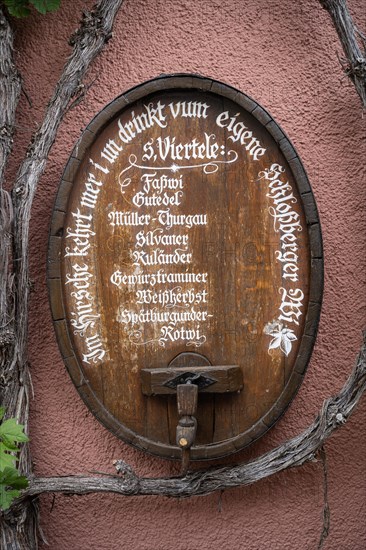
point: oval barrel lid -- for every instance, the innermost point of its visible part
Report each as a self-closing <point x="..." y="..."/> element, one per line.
<point x="185" y="242"/>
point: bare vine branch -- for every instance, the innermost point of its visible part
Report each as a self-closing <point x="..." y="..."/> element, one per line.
<point x="19" y="531"/>
<point x="355" y="66"/>
<point x="95" y="30"/>
<point x="326" y="511"/>
<point x="294" y="452"/>
<point x="10" y="87"/>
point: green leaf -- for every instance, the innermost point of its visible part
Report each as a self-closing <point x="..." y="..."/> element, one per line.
<point x="44" y="6"/>
<point x="7" y="460"/>
<point x="17" y="8"/>
<point x="11" y="478"/>
<point x="7" y="496"/>
<point x="11" y="432"/>
<point x="10" y="446"/>
<point x="10" y="484"/>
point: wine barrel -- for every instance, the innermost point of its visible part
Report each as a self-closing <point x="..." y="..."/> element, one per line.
<point x="185" y="247"/>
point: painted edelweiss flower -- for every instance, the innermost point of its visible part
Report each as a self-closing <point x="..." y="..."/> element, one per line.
<point x="282" y="337"/>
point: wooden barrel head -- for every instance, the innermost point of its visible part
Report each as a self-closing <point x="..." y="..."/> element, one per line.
<point x="185" y="227"/>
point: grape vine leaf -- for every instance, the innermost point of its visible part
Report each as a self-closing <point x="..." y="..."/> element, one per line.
<point x="7" y="496"/>
<point x="44" y="6"/>
<point x="10" y="484"/>
<point x="7" y="460"/>
<point x="17" y="8"/>
<point x="11" y="433"/>
<point x="21" y="8"/>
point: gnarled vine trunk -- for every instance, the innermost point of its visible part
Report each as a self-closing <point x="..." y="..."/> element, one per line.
<point x="19" y="528"/>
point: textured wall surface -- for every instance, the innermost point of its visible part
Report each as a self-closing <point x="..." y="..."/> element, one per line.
<point x="283" y="54"/>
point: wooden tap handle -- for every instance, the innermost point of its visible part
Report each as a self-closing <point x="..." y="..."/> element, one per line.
<point x="187" y="395"/>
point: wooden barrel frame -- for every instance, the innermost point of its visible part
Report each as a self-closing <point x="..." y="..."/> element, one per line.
<point x="75" y="369"/>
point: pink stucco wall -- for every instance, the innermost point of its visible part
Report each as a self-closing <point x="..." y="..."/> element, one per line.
<point x="284" y="54"/>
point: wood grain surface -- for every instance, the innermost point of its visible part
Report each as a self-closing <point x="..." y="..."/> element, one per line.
<point x="185" y="222"/>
